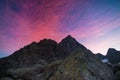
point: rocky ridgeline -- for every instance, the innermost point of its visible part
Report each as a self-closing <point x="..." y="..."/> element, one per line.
<point x="112" y="59"/>
<point x="49" y="60"/>
<point x="113" y="56"/>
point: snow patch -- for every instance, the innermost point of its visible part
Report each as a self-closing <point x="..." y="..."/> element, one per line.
<point x="105" y="60"/>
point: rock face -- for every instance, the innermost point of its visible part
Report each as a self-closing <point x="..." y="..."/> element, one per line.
<point x="49" y="60"/>
<point x="113" y="56"/>
<point x="66" y="46"/>
<point x="112" y="59"/>
<point x="83" y="65"/>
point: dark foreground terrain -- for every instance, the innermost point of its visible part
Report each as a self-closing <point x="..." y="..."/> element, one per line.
<point x="67" y="60"/>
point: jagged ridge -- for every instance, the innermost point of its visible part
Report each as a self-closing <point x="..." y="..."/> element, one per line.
<point x="46" y="49"/>
<point x="49" y="60"/>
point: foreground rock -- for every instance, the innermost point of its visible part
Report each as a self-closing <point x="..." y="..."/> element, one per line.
<point x="83" y="65"/>
<point x="26" y="73"/>
<point x="36" y="72"/>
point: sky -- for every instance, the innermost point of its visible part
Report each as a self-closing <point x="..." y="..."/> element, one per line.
<point x="94" y="23"/>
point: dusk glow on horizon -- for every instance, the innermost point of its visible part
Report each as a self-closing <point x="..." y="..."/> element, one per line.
<point x="93" y="23"/>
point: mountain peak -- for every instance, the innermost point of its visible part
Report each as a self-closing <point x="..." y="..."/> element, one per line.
<point x="113" y="55"/>
<point x="69" y="36"/>
<point x="111" y="51"/>
<point x="67" y="45"/>
<point x="69" y="40"/>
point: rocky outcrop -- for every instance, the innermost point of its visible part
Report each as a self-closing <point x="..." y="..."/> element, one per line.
<point x="113" y="56"/>
<point x="83" y="65"/>
<point x="35" y="72"/>
<point x="26" y="73"/>
<point x="112" y="59"/>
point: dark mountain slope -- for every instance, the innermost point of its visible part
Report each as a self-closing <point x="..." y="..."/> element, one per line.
<point x="100" y="56"/>
<point x="113" y="55"/>
<point x="83" y="65"/>
<point x="66" y="46"/>
<point x="46" y="50"/>
<point x="49" y="60"/>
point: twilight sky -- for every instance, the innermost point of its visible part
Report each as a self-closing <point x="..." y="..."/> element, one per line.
<point x="94" y="23"/>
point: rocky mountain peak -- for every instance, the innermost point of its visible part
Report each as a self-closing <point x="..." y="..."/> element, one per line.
<point x="67" y="45"/>
<point x="69" y="39"/>
<point x="113" y="55"/>
<point x="111" y="50"/>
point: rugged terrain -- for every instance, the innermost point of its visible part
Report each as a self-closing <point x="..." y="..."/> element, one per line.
<point x="49" y="60"/>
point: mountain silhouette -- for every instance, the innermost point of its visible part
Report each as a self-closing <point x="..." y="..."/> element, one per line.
<point x="113" y="55"/>
<point x="49" y="60"/>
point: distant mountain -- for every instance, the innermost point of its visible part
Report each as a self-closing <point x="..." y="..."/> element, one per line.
<point x="49" y="60"/>
<point x="112" y="59"/>
<point x="113" y="56"/>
